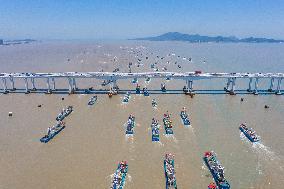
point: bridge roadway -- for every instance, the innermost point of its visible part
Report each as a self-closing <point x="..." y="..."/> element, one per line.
<point x="112" y="77"/>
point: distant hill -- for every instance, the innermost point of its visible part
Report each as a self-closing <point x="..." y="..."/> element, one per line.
<point x="176" y="36"/>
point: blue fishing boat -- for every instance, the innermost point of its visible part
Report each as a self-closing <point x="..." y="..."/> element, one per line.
<point x="163" y="87"/>
<point x="138" y="91"/>
<point x="249" y="133"/>
<point x="126" y="97"/>
<point x="119" y="177"/>
<point x="92" y="100"/>
<point x="169" y="168"/>
<point x="145" y="92"/>
<point x="64" y="113"/>
<point x="184" y="117"/>
<point x="155" y="130"/>
<point x="216" y="170"/>
<point x="135" y="80"/>
<point x="154" y="103"/>
<point x="130" y="125"/>
<point x="168" y="124"/>
<point x="52" y="132"/>
<point x="148" y="79"/>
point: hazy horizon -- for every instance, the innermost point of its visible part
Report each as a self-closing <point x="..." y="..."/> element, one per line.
<point x="127" y="19"/>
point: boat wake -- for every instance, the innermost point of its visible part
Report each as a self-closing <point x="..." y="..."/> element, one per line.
<point x="129" y="178"/>
<point x="260" y="148"/>
<point x="158" y="143"/>
<point x="170" y="136"/>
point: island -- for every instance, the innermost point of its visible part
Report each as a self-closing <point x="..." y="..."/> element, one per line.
<point x="196" y="38"/>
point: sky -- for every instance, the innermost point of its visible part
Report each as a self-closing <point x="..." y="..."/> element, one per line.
<point x="121" y="19"/>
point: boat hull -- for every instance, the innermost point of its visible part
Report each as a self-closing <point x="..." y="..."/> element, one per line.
<point x="46" y="139"/>
<point x="247" y="135"/>
<point x="123" y="178"/>
<point x="168" y="186"/>
<point x="220" y="185"/>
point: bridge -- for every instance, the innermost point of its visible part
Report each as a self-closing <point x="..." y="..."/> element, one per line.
<point x="113" y="77"/>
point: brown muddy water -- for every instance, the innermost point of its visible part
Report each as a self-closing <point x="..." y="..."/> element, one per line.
<point x="86" y="153"/>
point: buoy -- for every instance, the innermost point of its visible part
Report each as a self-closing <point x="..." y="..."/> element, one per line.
<point x="10" y="114"/>
<point x="242" y="99"/>
<point x="62" y="98"/>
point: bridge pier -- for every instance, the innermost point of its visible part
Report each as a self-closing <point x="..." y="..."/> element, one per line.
<point x="255" y="92"/>
<point x="48" y="86"/>
<point x="190" y="86"/>
<point x="232" y="91"/>
<point x="278" y="90"/>
<point x="26" y="85"/>
<point x="71" y="90"/>
<point x="33" y="84"/>
<point x="74" y="84"/>
<point x="114" y="84"/>
<point x="53" y="83"/>
<point x="250" y="83"/>
<point x="271" y="85"/>
<point x="5" y="90"/>
<point x="228" y="85"/>
<point x="12" y="83"/>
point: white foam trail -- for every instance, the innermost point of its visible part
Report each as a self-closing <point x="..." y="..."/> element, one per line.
<point x="129" y="178"/>
<point x="158" y="143"/>
<point x="169" y="136"/>
<point x="259" y="148"/>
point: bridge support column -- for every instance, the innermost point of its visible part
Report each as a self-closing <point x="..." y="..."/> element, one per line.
<point x="33" y="83"/>
<point x="74" y="84"/>
<point x="228" y="84"/>
<point x="114" y="83"/>
<point x="278" y="90"/>
<point x="12" y="83"/>
<point x="256" y="86"/>
<point x="53" y="83"/>
<point x="27" y="86"/>
<point x="232" y="91"/>
<point x="250" y="83"/>
<point x="48" y="86"/>
<point x="271" y="85"/>
<point x="189" y="86"/>
<point x="5" y="91"/>
<point x="71" y="91"/>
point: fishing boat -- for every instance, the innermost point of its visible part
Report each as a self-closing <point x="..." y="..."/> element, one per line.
<point x="154" y="103"/>
<point x="145" y="92"/>
<point x="119" y="177"/>
<point x="53" y="131"/>
<point x="130" y="125"/>
<point x="64" y="113"/>
<point x="152" y="66"/>
<point x="137" y="89"/>
<point x="249" y="133"/>
<point x="155" y="130"/>
<point x="92" y="100"/>
<point x="148" y="79"/>
<point x="184" y="117"/>
<point x="169" y="167"/>
<point x="135" y="80"/>
<point x="168" y="124"/>
<point x="216" y="170"/>
<point x="163" y="87"/>
<point x="126" y="97"/>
